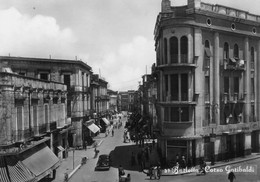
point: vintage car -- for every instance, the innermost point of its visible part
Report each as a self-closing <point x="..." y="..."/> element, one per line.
<point x="103" y="162"/>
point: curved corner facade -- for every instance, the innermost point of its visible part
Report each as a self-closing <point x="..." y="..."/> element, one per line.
<point x="209" y="82"/>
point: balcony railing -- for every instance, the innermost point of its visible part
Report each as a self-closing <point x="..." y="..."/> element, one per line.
<point x="233" y="97"/>
<point x="21" y="135"/>
<point x="234" y="64"/>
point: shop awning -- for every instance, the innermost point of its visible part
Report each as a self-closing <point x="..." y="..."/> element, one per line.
<point x="17" y="170"/>
<point x="94" y="128"/>
<point x="61" y="148"/>
<point x="40" y="161"/>
<point x="106" y="121"/>
<point x="3" y="171"/>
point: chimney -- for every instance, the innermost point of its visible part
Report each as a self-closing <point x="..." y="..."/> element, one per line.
<point x="166" y="6"/>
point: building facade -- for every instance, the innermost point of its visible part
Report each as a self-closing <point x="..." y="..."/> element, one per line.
<point x="100" y="101"/>
<point x="33" y="123"/>
<point x="208" y="63"/>
<point x="74" y="74"/>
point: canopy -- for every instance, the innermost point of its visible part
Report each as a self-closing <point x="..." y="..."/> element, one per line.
<point x="106" y="121"/>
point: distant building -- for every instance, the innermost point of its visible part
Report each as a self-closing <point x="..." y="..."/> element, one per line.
<point x="209" y="83"/>
<point x="113" y="100"/>
<point x="33" y="126"/>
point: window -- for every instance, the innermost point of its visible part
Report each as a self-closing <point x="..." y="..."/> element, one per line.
<point x="165" y="51"/>
<point x="46" y="114"/>
<point x="226" y="85"/>
<point x="252" y="57"/>
<point x="184" y="87"/>
<point x="35" y="122"/>
<point x="175" y="87"/>
<point x="236" y="51"/>
<point x="252" y="119"/>
<point x="236" y="85"/>
<point x="207" y="55"/>
<point x="166" y="85"/>
<point x="254" y="30"/>
<point x="226" y="51"/>
<point x="252" y="88"/>
<point x="174" y="49"/>
<point x="44" y="76"/>
<point x="207" y="116"/>
<point x="176" y="114"/>
<point x="178" y="87"/>
<point x="67" y="81"/>
<point x="233" y="26"/>
<point x="19" y="118"/>
<point x="208" y="22"/>
<point x="207" y="88"/>
<point x="184" y="49"/>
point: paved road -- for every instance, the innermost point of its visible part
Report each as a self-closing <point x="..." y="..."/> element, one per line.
<point x="121" y="153"/>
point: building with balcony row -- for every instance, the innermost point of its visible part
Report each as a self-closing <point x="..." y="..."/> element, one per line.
<point x="208" y="63"/>
<point x="81" y="105"/>
<point x="34" y="126"/>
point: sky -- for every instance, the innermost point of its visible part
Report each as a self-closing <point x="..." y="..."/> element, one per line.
<point x="114" y="37"/>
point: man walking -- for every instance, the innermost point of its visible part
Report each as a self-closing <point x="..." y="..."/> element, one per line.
<point x="231" y="176"/>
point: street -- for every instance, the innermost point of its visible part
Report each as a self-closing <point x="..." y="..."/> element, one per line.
<point x="121" y="153"/>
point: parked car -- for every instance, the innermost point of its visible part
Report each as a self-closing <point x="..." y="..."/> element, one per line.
<point x="103" y="162"/>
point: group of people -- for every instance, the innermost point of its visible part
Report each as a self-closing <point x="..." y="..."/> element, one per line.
<point x="155" y="172"/>
<point x="122" y="176"/>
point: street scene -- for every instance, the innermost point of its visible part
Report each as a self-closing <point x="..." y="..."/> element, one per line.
<point x="129" y="91"/>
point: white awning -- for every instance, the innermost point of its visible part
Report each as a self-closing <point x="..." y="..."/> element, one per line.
<point x="61" y="148"/>
<point x="94" y="128"/>
<point x="106" y="121"/>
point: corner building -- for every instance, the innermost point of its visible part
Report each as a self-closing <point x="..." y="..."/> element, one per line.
<point x="208" y="63"/>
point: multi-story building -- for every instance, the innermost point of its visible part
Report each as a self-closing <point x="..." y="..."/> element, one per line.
<point x="99" y="101"/>
<point x="113" y="100"/>
<point x="75" y="74"/>
<point x="124" y="99"/>
<point x="209" y="82"/>
<point x="33" y="126"/>
<point x="131" y="105"/>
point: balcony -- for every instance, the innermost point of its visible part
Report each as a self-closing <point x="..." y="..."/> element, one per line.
<point x="180" y="99"/>
<point x="234" y="64"/>
<point x="21" y="135"/>
<point x="183" y="63"/>
<point x="233" y="98"/>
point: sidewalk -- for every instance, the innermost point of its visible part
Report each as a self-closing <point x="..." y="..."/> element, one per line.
<point x="71" y="164"/>
<point x="217" y="164"/>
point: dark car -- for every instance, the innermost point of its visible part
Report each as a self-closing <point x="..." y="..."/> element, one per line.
<point x="103" y="162"/>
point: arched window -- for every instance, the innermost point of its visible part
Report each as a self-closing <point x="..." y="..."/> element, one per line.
<point x="184" y="49"/>
<point x="236" y="52"/>
<point x="174" y="49"/>
<point x="165" y="51"/>
<point x="252" y="57"/>
<point x="226" y="51"/>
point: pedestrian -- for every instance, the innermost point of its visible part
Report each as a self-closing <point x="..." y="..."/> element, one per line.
<point x="183" y="162"/>
<point x="231" y="176"/>
<point x="84" y="145"/>
<point x="159" y="171"/>
<point x="128" y="178"/>
<point x="112" y="132"/>
<point x="121" y="171"/>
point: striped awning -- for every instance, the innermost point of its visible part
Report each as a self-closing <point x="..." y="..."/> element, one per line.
<point x="3" y="170"/>
<point x="17" y="171"/>
<point x="12" y="170"/>
<point x="40" y="161"/>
